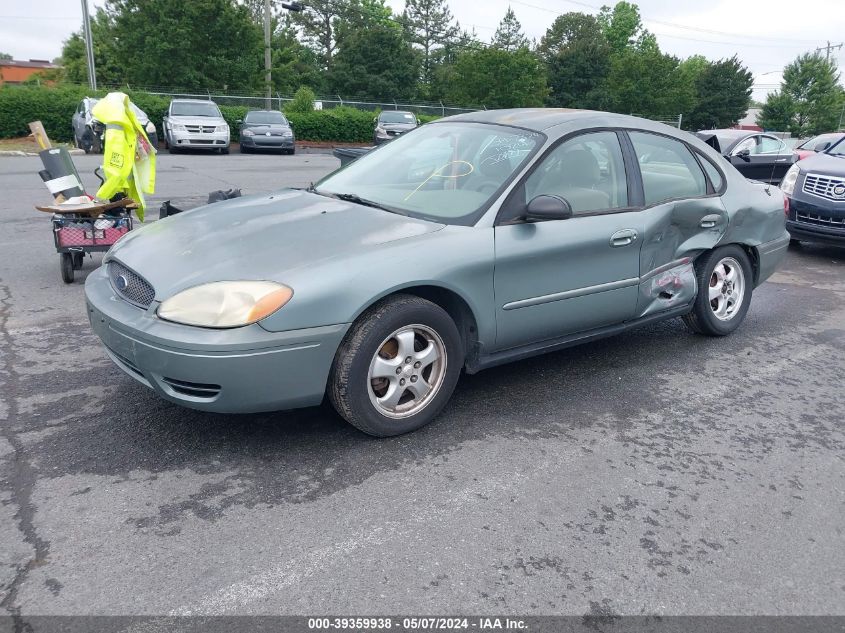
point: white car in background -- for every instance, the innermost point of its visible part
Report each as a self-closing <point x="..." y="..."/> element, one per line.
<point x="195" y="124"/>
<point x="88" y="132"/>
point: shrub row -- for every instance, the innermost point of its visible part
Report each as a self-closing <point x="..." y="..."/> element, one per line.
<point x="54" y="107"/>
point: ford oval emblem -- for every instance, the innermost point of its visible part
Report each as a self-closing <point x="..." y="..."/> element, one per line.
<point x="121" y="282"/>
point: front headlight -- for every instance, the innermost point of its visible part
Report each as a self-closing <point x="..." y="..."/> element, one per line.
<point x="178" y="127"/>
<point x="787" y="185"/>
<point x="223" y="128"/>
<point x="150" y="127"/>
<point x="380" y="130"/>
<point x="224" y="304"/>
<point x="247" y="133"/>
<point x="287" y="133"/>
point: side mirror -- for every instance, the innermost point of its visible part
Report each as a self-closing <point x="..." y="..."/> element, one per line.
<point x="744" y="154"/>
<point x="543" y="208"/>
<point x="239" y="121"/>
<point x="375" y="119"/>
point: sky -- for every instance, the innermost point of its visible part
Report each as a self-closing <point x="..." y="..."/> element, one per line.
<point x="765" y="34"/>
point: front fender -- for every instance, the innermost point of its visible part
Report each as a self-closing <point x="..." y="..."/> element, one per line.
<point x="458" y="258"/>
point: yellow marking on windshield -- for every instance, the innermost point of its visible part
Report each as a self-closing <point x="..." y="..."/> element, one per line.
<point x="436" y="174"/>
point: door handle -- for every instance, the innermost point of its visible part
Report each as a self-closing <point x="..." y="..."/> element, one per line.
<point x="623" y="237"/>
<point x="709" y="221"/>
<point x="780" y="160"/>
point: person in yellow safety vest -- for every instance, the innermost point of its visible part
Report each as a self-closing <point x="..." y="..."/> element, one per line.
<point x="129" y="161"/>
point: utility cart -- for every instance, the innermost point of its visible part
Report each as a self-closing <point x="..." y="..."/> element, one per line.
<point x="76" y="234"/>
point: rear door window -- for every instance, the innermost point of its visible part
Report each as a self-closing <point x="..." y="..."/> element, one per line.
<point x="668" y="168"/>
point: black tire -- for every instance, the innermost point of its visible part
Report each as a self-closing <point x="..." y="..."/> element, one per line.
<point x="224" y="150"/>
<point x="795" y="243"/>
<point x="245" y="150"/>
<point x="703" y="319"/>
<point x="348" y="387"/>
<point x="66" y="267"/>
<point x="291" y="151"/>
<point x="77" y="259"/>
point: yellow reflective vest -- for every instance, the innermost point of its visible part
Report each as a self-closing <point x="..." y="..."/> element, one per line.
<point x="129" y="161"/>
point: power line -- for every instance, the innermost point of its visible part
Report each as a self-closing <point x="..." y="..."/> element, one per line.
<point x="828" y="48"/>
<point x="675" y="25"/>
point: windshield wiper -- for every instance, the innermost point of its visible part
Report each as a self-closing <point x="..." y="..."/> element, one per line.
<point x="352" y="197"/>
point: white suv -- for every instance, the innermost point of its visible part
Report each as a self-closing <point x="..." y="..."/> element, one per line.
<point x="195" y="124"/>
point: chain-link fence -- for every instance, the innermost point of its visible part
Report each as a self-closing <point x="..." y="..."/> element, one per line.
<point x="277" y="100"/>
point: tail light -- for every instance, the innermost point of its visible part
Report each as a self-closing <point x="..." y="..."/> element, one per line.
<point x="785" y="205"/>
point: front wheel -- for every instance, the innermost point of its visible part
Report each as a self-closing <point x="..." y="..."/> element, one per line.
<point x="66" y="267"/>
<point x="725" y="281"/>
<point x="397" y="366"/>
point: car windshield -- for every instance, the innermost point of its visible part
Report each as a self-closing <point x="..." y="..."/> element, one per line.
<point x="838" y="149"/>
<point x="445" y="172"/>
<point x="817" y="143"/>
<point x="396" y="117"/>
<point x="194" y="108"/>
<point x="266" y="118"/>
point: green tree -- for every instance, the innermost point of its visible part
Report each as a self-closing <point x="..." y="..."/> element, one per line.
<point x="197" y="45"/>
<point x="577" y="57"/>
<point x="811" y="84"/>
<point x="497" y="78"/>
<point x="317" y="23"/>
<point x="647" y="83"/>
<point x="5" y="56"/>
<point x="375" y="63"/>
<point x="723" y="94"/>
<point x="303" y="101"/>
<point x="509" y="35"/>
<point x="293" y="63"/>
<point x="623" y="27"/>
<point x="777" y="113"/>
<point x="74" y="61"/>
<point x="428" y="25"/>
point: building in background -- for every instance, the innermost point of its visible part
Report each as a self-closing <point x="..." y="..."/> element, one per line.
<point x="749" y="121"/>
<point x="13" y="71"/>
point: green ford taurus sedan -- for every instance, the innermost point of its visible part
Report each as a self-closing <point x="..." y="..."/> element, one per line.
<point x="469" y="242"/>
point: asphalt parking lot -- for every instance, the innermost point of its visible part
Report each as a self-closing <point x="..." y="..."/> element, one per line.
<point x="658" y="472"/>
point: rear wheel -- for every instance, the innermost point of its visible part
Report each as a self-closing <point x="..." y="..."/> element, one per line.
<point x="77" y="260"/>
<point x="725" y="282"/>
<point x="66" y="267"/>
<point x="397" y="366"/>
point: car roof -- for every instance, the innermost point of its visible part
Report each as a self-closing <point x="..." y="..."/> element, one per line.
<point x="273" y="111"/>
<point x="192" y="101"/>
<point x="542" y="119"/>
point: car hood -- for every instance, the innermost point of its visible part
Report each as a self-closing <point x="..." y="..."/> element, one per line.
<point x="197" y="120"/>
<point x="398" y="126"/>
<point x="265" y="127"/>
<point x="257" y="238"/>
<point x="822" y="163"/>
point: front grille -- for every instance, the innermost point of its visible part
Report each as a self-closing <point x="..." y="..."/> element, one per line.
<point x="130" y="285"/>
<point x="828" y="187"/>
<point x="820" y="220"/>
<point x="193" y="389"/>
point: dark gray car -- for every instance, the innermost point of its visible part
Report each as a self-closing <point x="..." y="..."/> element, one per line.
<point x="392" y="123"/>
<point x="266" y="129"/>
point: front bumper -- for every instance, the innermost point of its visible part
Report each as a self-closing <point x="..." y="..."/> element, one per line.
<point x="200" y="140"/>
<point x="239" y="370"/>
<point x="824" y="222"/>
<point x="262" y="141"/>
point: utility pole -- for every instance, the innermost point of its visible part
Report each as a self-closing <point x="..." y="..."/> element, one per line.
<point x="268" y="79"/>
<point x="89" y="46"/>
<point x="828" y="48"/>
<point x="268" y="20"/>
